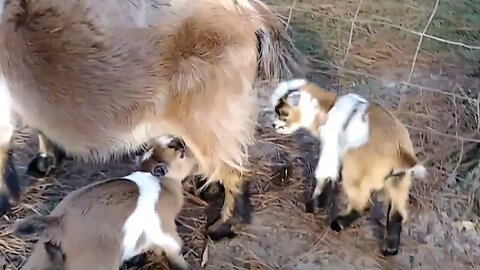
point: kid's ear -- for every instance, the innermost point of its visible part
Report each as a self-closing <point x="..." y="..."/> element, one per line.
<point x="293" y="99"/>
<point x="37" y="226"/>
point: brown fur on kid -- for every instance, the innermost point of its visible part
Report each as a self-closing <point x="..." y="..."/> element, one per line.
<point x="86" y="229"/>
<point x="385" y="162"/>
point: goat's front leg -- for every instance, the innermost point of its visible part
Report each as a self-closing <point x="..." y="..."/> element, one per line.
<point x="48" y="159"/>
<point x="172" y="251"/>
<point x="9" y="184"/>
<point x="326" y="176"/>
<point x="237" y="207"/>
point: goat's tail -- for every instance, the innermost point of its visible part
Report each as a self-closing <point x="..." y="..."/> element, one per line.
<point x="408" y="163"/>
<point x="279" y="59"/>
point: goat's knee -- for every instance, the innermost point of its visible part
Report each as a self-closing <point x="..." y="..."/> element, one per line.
<point x="237" y="207"/>
<point x="49" y="158"/>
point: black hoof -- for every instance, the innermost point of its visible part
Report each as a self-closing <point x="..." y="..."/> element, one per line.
<point x="335" y="225"/>
<point x="390" y="251"/>
<point x="5" y="205"/>
<point x="221" y="230"/>
<point x="40" y="166"/>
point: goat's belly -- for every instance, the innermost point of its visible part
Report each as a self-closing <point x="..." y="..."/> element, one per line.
<point x="90" y="139"/>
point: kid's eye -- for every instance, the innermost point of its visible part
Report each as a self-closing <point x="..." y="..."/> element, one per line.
<point x="284" y="113"/>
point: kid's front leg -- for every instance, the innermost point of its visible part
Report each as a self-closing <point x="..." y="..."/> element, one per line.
<point x="326" y="176"/>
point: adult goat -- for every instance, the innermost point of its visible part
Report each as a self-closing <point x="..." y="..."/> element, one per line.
<point x="99" y="79"/>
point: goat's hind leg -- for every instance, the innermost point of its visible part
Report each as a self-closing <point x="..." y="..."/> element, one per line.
<point x="9" y="184"/>
<point x="49" y="158"/>
<point x="398" y="192"/>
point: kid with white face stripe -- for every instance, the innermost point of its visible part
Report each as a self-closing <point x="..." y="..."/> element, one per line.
<point x="364" y="140"/>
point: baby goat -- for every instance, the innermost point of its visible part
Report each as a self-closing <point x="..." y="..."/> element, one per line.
<point x="361" y="141"/>
<point x="104" y="224"/>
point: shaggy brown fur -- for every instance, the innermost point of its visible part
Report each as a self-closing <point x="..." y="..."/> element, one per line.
<point x="86" y="230"/>
<point x="385" y="162"/>
<point x="102" y="78"/>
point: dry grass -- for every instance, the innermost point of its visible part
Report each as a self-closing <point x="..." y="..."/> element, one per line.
<point x="373" y="47"/>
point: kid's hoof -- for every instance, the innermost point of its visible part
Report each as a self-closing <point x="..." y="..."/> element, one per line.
<point x="220" y="230"/>
<point x="40" y="166"/>
<point x="335" y="225"/>
<point x="390" y="251"/>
